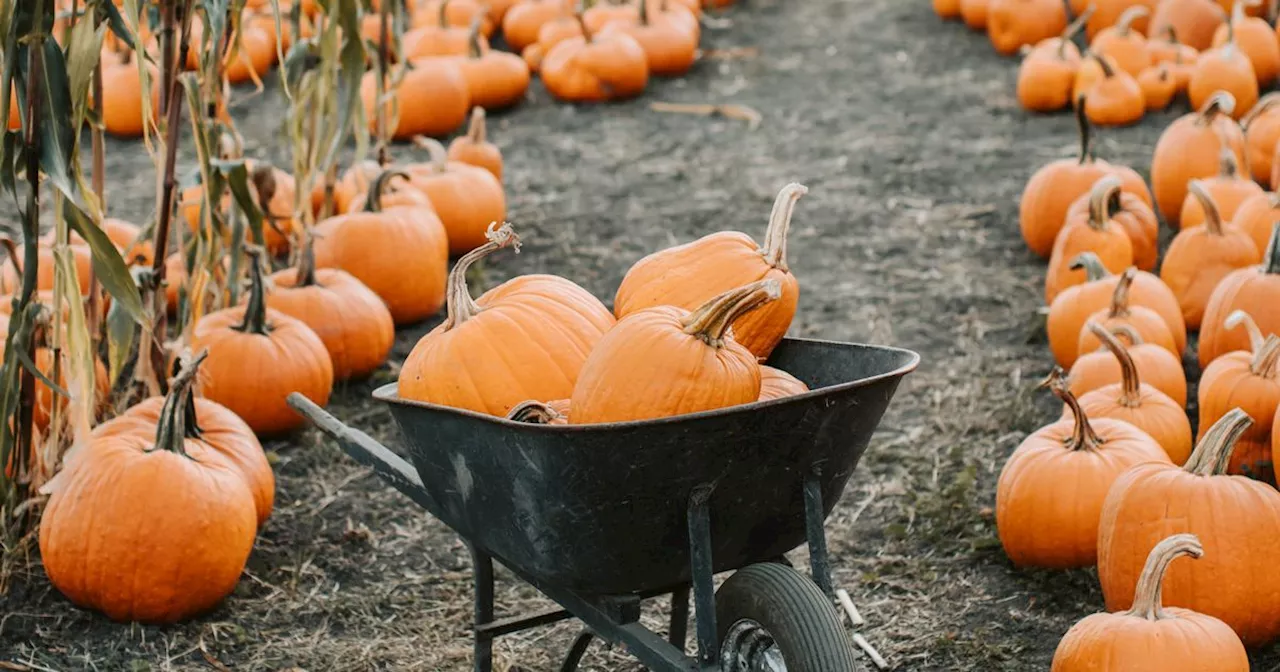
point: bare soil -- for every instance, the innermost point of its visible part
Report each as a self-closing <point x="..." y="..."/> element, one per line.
<point x="908" y="135"/>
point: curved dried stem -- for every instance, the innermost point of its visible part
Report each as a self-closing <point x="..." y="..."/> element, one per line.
<point x="378" y="188"/>
<point x="1103" y="191"/>
<point x="1147" y="602"/>
<point x="1213" y="453"/>
<point x="1078" y="23"/>
<point x="171" y="429"/>
<point x="1124" y="24"/>
<point x="476" y="131"/>
<point x="1212" y="216"/>
<point x="474" y="50"/>
<point x="1228" y="164"/>
<point x="1240" y="318"/>
<point x="1129" y="333"/>
<point x="710" y="322"/>
<point x="1259" y="108"/>
<point x="1271" y="256"/>
<point x="1083" y="437"/>
<point x="461" y="307"/>
<point x="775" y="237"/>
<point x="255" y="312"/>
<point x="1086" y="135"/>
<point x="1266" y="357"/>
<point x="439" y="155"/>
<point x="1131" y="384"/>
<point x="1092" y="266"/>
<point x="1219" y="103"/>
<point x="1120" y="297"/>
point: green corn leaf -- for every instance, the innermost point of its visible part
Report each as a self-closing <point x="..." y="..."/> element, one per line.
<point x="108" y="265"/>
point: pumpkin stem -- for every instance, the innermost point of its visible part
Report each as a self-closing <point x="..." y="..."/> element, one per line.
<point x="711" y="321"/>
<point x="1124" y="24"/>
<point x="1099" y="196"/>
<point x="1082" y="124"/>
<point x="1213" y="453"/>
<point x="1083" y="437"/>
<point x="1129" y="333"/>
<point x="534" y="412"/>
<point x="1228" y="165"/>
<point x="1238" y="318"/>
<point x="442" y="17"/>
<point x="1212" y="216"/>
<point x="473" y="38"/>
<point x="378" y="187"/>
<point x="476" y="131"/>
<point x="1271" y="260"/>
<point x="1077" y="24"/>
<point x="1220" y="103"/>
<point x="1107" y="70"/>
<point x="171" y="428"/>
<point x="775" y="237"/>
<point x="1147" y="602"/>
<point x="306" y="269"/>
<point x="439" y="155"/>
<point x="1120" y="297"/>
<point x="1131" y="385"/>
<point x="644" y="12"/>
<point x="1092" y="265"/>
<point x="255" y="312"/>
<point x="1259" y="108"/>
<point x="461" y="307"/>
<point x="1266" y="357"/>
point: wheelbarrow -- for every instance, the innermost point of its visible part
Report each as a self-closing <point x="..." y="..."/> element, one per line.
<point x="602" y="517"/>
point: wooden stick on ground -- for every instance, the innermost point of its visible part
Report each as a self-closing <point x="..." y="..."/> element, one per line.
<point x="730" y="111"/>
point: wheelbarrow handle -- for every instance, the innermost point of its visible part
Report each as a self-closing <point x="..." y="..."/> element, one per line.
<point x="364" y="449"/>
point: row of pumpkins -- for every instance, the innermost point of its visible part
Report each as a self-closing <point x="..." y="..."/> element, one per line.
<point x="1119" y="481"/>
<point x="607" y="51"/>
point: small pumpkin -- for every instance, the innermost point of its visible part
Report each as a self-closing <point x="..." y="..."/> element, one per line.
<point x="1195" y="21"/>
<point x="401" y="253"/>
<point x="665" y="361"/>
<point x="122" y="113"/>
<point x="551" y="33"/>
<point x="1053" y="187"/>
<point x="778" y="384"/>
<point x="537" y="413"/>
<point x="1159" y="86"/>
<point x="101" y="529"/>
<point x="974" y="14"/>
<point x="1131" y="214"/>
<point x="1149" y="323"/>
<point x="1225" y="68"/>
<point x="1199" y="258"/>
<point x="467" y="198"/>
<point x="1048" y="72"/>
<point x="253" y="56"/>
<point x="947" y="9"/>
<point x="46" y="398"/>
<point x="1051" y="490"/>
<point x="1256" y="291"/>
<point x="1164" y="47"/>
<point x="542" y="327"/>
<point x="688" y="276"/>
<point x="495" y="79"/>
<point x="1190" y="149"/>
<point x="432" y="97"/>
<point x="1256" y="39"/>
<point x="1115" y="99"/>
<point x="1123" y="43"/>
<point x="1249" y="379"/>
<point x="1095" y="233"/>
<point x="460" y="13"/>
<point x="475" y="149"/>
<point x="1138" y="403"/>
<point x="596" y="68"/>
<point x="1228" y="190"/>
<point x="1147" y="636"/>
<point x="1258" y="214"/>
<point x="1234" y="518"/>
<point x="258" y="356"/>
<point x="668" y="37"/>
<point x="438" y="37"/>
<point x="1261" y="137"/>
<point x="1013" y="24"/>
<point x="1156" y="366"/>
<point x="521" y="24"/>
<point x="11" y="281"/>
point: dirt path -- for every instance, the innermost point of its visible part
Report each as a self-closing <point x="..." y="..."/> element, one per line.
<point x="907" y="133"/>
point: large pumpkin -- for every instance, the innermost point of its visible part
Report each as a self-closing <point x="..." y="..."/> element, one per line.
<point x="1249" y="380"/>
<point x="526" y="339"/>
<point x="1255" y="290"/>
<point x="467" y="198"/>
<point x="1096" y="233"/>
<point x="1132" y="214"/>
<point x="1228" y="189"/>
<point x="1237" y="519"/>
<point x="1190" y="148"/>
<point x="778" y="384"/>
<point x="1199" y="258"/>
<point x="687" y="276"/>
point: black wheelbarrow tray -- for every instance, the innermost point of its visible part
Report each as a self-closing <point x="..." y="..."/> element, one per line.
<point x="601" y="517"/>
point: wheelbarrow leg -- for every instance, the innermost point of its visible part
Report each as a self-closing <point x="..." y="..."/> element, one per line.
<point x="482" y="565"/>
<point x="577" y="651"/>
<point x="679" y="617"/>
<point x="816" y="533"/>
<point x="704" y="589"/>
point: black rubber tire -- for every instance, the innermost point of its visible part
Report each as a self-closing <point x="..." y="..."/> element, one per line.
<point x="786" y="603"/>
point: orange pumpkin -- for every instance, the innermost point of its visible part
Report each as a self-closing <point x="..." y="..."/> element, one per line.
<point x="1199" y="258"/>
<point x="1256" y="291"/>
<point x="152" y="529"/>
<point x="596" y="68"/>
<point x="495" y="79"/>
<point x="1124" y="44"/>
<point x="1115" y="99"/>
<point x="668" y="37"/>
<point x="1255" y="37"/>
<point x="42" y="412"/>
<point x="1103" y="14"/>
<point x="526" y="339"/>
<point x="1156" y="366"/>
<point x="1249" y="379"/>
<point x="689" y="275"/>
<point x="432" y="98"/>
<point x="1195" y="21"/>
<point x="122" y="113"/>
<point x="1095" y="233"/>
<point x="551" y="33"/>
<point x="467" y="198"/>
<point x="401" y="253"/>
<point x="1047" y="74"/>
<point x="665" y="361"/>
<point x="521" y="24"/>
<point x="1191" y="148"/>
<point x="1138" y="403"/>
<point x="778" y="384"/>
<point x="1228" y="190"/>
<point x="947" y="9"/>
<point x="974" y="14"/>
<point x="1164" y="47"/>
<point x="460" y="13"/>
<point x="1051" y="490"/>
<point x="439" y="37"/>
<point x="11" y="282"/>
<point x="1159" y="86"/>
<point x="1013" y="24"/>
<point x="1148" y="636"/>
<point x="257" y="357"/>
<point x="1148" y="323"/>
<point x="254" y="56"/>
<point x="1257" y="215"/>
<point x="1131" y="214"/>
<point x="1051" y="190"/>
<point x="1261" y="136"/>
<point x="1234" y="518"/>
<point x="1225" y="68"/>
<point x="474" y="149"/>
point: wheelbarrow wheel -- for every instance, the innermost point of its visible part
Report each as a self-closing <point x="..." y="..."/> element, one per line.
<point x="772" y="618"/>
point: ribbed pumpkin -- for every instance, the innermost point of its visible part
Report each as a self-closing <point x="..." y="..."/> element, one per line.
<point x="431" y="97"/>
<point x="1149" y="324"/>
<point x="401" y="253"/>
<point x="1103" y="14"/>
<point x="1047" y="73"/>
<point x="1013" y="24"/>
<point x="495" y="79"/>
<point x="526" y="339"/>
<point x="1095" y="233"/>
<point x="1071" y="310"/>
<point x="1199" y="258"/>
<point x="1125" y="45"/>
<point x="351" y="320"/>
<point x="434" y="35"/>
<point x="467" y="198"/>
<point x="1138" y="403"/>
<point x="595" y="68"/>
<point x="689" y="275"/>
<point x="1159" y="86"/>
<point x="1256" y="291"/>
<point x="1256" y="39"/>
<point x="521" y="24"/>
<point x="1149" y="637"/>
<point x="550" y="34"/>
<point x="1051" y="490"/>
<point x="1116" y="98"/>
<point x="1228" y="189"/>
<point x="1258" y="215"/>
<point x="1261" y="136"/>
<point x="1191" y="148"/>
<point x="1156" y="366"/>
<point x="778" y="384"/>
<point x="475" y="149"/>
<point x="1237" y="519"/>
<point x="1224" y="68"/>
<point x="666" y="361"/>
<point x="213" y="427"/>
<point x="257" y="357"/>
<point x="669" y="37"/>
<point x="1133" y="215"/>
<point x="153" y="528"/>
<point x="1164" y="47"/>
<point x="1250" y="380"/>
<point x="1194" y="20"/>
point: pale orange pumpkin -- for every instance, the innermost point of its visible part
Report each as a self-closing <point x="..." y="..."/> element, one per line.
<point x="1228" y="190"/>
<point x="1134" y="216"/>
<point x="1261" y="136"/>
<point x="1256" y="39"/>
<point x="1256" y="291"/>
<point x="778" y="384"/>
<point x="1148" y="323"/>
<point x="1156" y="366"/>
<point x="1096" y="233"/>
<point x="1250" y="380"/>
<point x="1199" y="258"/>
<point x="1191" y="148"/>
